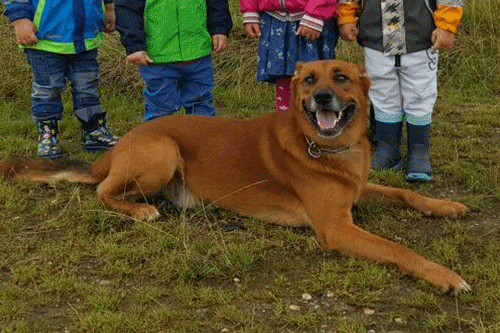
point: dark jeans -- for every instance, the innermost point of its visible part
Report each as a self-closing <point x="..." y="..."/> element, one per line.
<point x="50" y="71"/>
<point x="172" y="85"/>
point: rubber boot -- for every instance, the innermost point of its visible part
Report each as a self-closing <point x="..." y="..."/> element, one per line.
<point x="48" y="144"/>
<point x="387" y="155"/>
<point x="283" y="92"/>
<point x="372" y="132"/>
<point x="419" y="167"/>
<point x="96" y="134"/>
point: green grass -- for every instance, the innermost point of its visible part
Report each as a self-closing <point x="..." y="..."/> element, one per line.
<point x="67" y="264"/>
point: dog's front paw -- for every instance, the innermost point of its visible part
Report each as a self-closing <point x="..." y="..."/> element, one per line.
<point x="446" y="280"/>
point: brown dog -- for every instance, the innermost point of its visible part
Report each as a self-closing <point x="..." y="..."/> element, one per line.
<point x="305" y="167"/>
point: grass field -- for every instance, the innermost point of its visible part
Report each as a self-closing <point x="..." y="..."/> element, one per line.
<point x="69" y="265"/>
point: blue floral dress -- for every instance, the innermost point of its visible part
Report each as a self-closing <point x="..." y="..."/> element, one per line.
<point x="279" y="47"/>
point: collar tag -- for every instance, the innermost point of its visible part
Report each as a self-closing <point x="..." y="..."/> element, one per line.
<point x="316" y="152"/>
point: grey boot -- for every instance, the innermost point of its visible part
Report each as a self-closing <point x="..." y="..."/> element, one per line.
<point x="419" y="167"/>
<point x="48" y="145"/>
<point x="387" y="155"/>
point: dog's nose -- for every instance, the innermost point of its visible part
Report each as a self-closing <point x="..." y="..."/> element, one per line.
<point x="323" y="97"/>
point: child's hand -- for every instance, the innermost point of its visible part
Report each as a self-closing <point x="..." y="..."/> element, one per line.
<point x="348" y="32"/>
<point x="140" y="58"/>
<point x="219" y="43"/>
<point x="252" y="29"/>
<point x="110" y="18"/>
<point x="25" y="32"/>
<point x="308" y="33"/>
<point x="442" y="39"/>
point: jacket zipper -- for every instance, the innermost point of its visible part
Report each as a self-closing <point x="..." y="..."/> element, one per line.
<point x="283" y="7"/>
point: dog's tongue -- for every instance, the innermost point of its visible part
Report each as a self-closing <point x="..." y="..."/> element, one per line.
<point x="326" y="120"/>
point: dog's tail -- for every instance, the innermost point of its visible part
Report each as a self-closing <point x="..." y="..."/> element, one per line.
<point x="52" y="171"/>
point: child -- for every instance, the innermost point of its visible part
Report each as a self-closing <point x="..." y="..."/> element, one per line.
<point x="60" y="41"/>
<point x="172" y="42"/>
<point x="289" y="31"/>
<point x="401" y="40"/>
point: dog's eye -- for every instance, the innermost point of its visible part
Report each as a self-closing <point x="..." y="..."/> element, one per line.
<point x="340" y="78"/>
<point x="310" y="80"/>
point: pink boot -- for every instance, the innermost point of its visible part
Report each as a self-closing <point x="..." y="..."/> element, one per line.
<point x="283" y="94"/>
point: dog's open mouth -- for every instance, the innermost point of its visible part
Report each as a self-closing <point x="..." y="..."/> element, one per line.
<point x="328" y="121"/>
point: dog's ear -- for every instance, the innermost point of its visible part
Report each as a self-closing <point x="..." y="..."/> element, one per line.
<point x="298" y="67"/>
<point x="364" y="78"/>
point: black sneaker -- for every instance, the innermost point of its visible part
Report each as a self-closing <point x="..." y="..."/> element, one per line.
<point x="100" y="138"/>
<point x="48" y="145"/>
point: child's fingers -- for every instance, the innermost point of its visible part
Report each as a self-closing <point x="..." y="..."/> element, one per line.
<point x="348" y="32"/>
<point x="25" y="32"/>
<point x="148" y="59"/>
<point x="140" y="58"/>
<point x="257" y="30"/>
<point x="433" y="37"/>
<point x="442" y="40"/>
<point x="219" y="43"/>
<point x="27" y="40"/>
<point x="308" y="33"/>
<point x="252" y="29"/>
<point x="110" y="26"/>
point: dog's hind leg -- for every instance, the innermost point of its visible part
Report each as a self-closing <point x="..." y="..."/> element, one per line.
<point x="402" y="197"/>
<point x="141" y="169"/>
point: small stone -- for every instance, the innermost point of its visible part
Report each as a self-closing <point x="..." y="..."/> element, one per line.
<point x="329" y="294"/>
<point x="224" y="330"/>
<point x="368" y="311"/>
<point x="236" y="280"/>
<point x="398" y="320"/>
<point x="294" y="307"/>
<point x="371" y="331"/>
<point x="306" y="297"/>
<point x="349" y="309"/>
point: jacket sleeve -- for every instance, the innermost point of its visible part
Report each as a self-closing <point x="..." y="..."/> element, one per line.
<point x="18" y="9"/>
<point x="130" y="24"/>
<point x="448" y="17"/>
<point x="347" y="11"/>
<point x="317" y="12"/>
<point x="250" y="11"/>
<point x="219" y="21"/>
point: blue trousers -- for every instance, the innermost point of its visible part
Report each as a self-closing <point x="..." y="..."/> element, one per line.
<point x="169" y="86"/>
<point x="50" y="71"/>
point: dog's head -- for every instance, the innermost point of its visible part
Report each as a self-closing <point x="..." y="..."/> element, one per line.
<point x="330" y="93"/>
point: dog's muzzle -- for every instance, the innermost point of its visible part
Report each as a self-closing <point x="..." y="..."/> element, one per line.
<point x="329" y="113"/>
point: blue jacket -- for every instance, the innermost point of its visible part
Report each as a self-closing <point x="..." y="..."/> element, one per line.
<point x="62" y="26"/>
